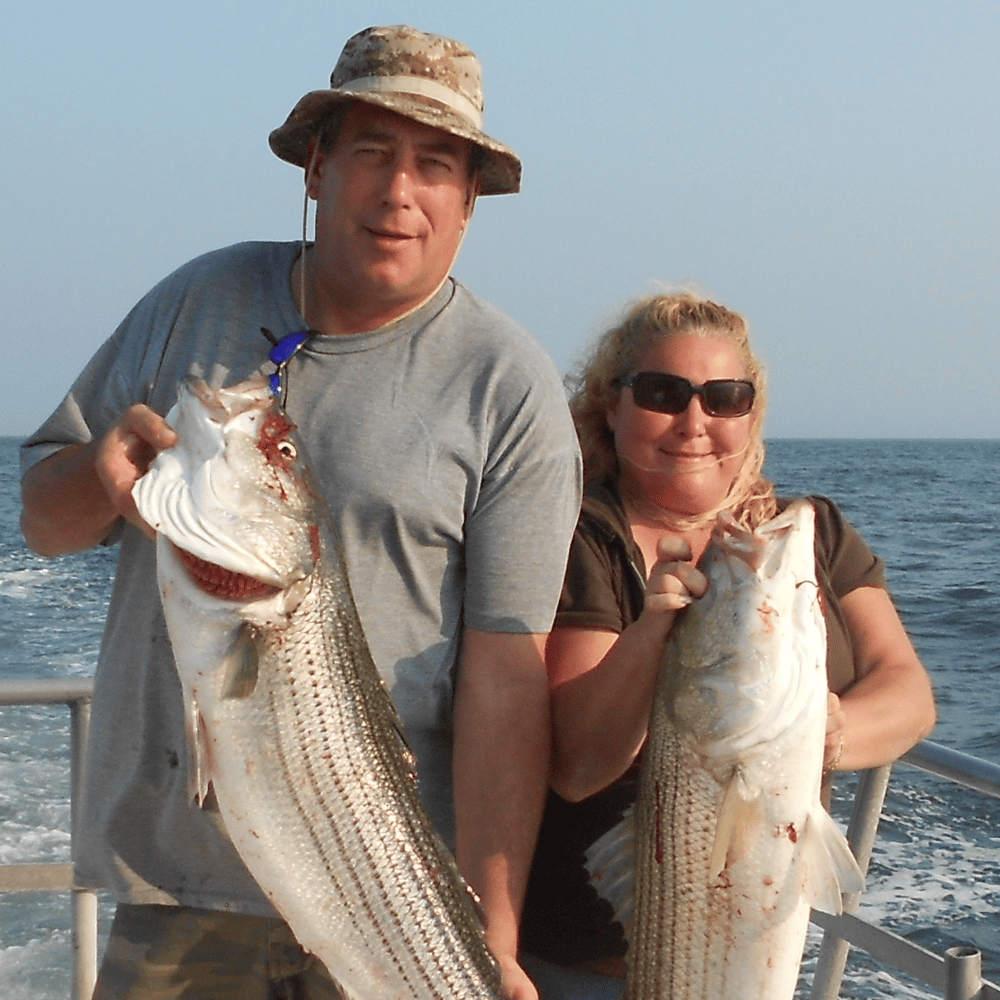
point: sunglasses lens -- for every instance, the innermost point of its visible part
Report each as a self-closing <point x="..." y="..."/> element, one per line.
<point x="661" y="393"/>
<point x="728" y="398"/>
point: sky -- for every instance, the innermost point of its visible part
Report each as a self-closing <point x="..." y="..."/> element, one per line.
<point x="829" y="170"/>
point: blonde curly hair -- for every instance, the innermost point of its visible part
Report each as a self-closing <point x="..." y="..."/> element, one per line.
<point x="596" y="386"/>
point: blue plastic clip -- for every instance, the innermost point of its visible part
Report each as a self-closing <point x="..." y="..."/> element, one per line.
<point x="283" y="352"/>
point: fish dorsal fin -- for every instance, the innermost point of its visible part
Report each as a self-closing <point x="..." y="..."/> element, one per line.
<point x="737" y="825"/>
<point x="831" y="868"/>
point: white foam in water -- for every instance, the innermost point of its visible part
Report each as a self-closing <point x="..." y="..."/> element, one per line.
<point x="23" y="844"/>
<point x="37" y="970"/>
<point x="24" y="584"/>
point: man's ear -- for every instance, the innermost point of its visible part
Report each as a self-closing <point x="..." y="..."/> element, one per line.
<point x="470" y="198"/>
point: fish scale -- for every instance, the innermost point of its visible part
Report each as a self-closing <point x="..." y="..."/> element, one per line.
<point x="292" y="725"/>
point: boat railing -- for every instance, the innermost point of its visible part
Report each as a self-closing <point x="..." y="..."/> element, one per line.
<point x="956" y="975"/>
<point x="76" y="694"/>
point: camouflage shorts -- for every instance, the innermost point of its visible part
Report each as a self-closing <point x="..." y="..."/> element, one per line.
<point x="173" y="952"/>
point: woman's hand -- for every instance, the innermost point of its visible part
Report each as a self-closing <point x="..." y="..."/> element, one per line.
<point x="672" y="584"/>
<point x="834" y="747"/>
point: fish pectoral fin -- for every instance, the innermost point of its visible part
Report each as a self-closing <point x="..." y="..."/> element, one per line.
<point x="238" y="671"/>
<point x="199" y="773"/>
<point x="831" y="868"/>
<point x="737" y="826"/>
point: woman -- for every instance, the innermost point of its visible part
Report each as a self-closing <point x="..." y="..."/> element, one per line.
<point x="669" y="408"/>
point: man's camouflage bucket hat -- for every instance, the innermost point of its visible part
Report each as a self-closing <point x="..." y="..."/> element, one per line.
<point x="429" y="78"/>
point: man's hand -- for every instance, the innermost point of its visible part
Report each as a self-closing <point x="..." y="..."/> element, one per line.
<point x="516" y="983"/>
<point x="124" y="456"/>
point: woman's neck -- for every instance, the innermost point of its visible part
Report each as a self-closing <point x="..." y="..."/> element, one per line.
<point x="650" y="522"/>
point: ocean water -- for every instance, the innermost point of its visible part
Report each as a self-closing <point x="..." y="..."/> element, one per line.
<point x="929" y="508"/>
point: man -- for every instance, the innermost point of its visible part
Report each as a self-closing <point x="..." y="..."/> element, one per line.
<point x="440" y="433"/>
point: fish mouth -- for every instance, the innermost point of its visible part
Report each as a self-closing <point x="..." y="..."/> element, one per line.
<point x="219" y="582"/>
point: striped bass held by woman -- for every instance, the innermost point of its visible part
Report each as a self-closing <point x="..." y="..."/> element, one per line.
<point x="291" y="730"/>
<point x="731" y="843"/>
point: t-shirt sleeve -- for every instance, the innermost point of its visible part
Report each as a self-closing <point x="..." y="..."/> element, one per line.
<point x="844" y="554"/>
<point x="518" y="535"/>
<point x="589" y="597"/>
<point x="843" y="563"/>
<point x="98" y="397"/>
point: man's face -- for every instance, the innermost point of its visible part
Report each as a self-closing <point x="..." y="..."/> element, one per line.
<point x="393" y="199"/>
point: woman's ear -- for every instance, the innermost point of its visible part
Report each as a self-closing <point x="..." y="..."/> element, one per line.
<point x="611" y="414"/>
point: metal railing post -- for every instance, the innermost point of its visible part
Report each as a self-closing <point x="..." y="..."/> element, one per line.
<point x="963" y="973"/>
<point x="84" y="901"/>
<point x="861" y="830"/>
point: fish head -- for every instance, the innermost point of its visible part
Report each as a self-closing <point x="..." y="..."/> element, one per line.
<point x="748" y="659"/>
<point x="234" y="495"/>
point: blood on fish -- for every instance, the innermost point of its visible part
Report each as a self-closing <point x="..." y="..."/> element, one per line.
<point x="274" y="444"/>
<point x="659" y="825"/>
<point x="766" y="611"/>
<point x="273" y="440"/>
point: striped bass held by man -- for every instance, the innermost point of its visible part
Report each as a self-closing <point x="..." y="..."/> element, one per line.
<point x="729" y="845"/>
<point x="292" y="734"/>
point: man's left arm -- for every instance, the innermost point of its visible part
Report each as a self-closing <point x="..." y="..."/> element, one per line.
<point x="501" y="764"/>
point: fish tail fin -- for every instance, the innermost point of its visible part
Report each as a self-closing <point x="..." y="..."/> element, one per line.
<point x="737" y="825"/>
<point x="832" y="868"/>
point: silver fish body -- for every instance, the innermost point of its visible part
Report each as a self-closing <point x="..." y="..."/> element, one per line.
<point x="288" y="719"/>
<point x="730" y="844"/>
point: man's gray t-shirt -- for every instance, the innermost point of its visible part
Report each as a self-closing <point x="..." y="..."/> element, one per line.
<point x="445" y="449"/>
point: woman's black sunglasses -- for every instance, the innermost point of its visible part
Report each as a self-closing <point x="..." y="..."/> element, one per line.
<point x="663" y="393"/>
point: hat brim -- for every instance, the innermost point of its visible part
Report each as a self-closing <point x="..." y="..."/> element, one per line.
<point x="501" y="169"/>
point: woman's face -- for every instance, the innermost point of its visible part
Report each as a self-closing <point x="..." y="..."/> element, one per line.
<point x="684" y="462"/>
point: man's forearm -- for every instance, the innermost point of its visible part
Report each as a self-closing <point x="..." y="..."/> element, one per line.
<point x="64" y="506"/>
<point x="502" y="747"/>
